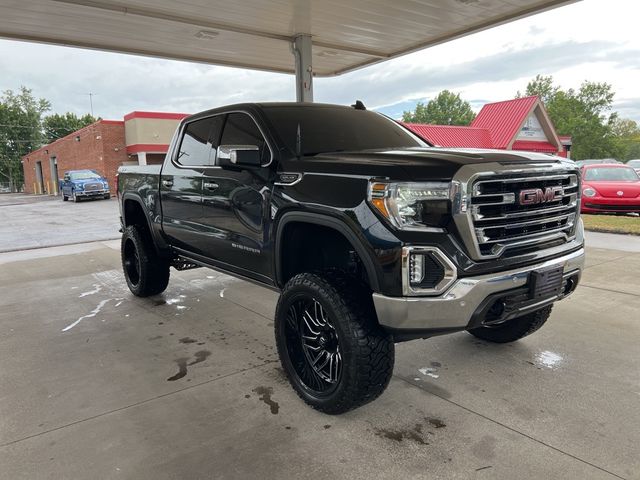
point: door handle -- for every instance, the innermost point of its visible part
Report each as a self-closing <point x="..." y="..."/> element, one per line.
<point x="167" y="183"/>
<point x="210" y="186"/>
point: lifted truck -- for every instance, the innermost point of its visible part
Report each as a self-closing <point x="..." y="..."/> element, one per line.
<point x="371" y="235"/>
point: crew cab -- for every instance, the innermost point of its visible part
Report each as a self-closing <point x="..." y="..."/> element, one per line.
<point x="79" y="184"/>
<point x="371" y="235"/>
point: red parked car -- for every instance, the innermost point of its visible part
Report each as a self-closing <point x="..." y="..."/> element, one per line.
<point x="609" y="188"/>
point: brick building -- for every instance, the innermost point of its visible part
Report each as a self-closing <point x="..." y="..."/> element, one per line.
<point x="141" y="138"/>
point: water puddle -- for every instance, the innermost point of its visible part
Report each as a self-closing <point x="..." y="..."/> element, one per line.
<point x="548" y="359"/>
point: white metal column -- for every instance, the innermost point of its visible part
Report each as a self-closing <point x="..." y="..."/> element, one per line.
<point x="301" y="49"/>
<point x="142" y="158"/>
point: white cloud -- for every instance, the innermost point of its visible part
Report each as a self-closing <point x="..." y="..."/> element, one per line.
<point x="594" y="39"/>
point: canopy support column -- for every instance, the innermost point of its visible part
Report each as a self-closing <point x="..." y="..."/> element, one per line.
<point x="301" y="49"/>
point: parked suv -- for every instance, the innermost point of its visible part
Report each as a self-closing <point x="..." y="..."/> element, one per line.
<point x="370" y="235"/>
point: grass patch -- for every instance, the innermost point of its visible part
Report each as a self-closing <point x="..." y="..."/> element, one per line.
<point x="612" y="224"/>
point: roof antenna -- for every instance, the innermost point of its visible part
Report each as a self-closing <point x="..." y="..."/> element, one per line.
<point x="299" y="143"/>
<point x="359" y="105"/>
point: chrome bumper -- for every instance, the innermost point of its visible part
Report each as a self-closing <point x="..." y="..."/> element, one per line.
<point x="455" y="308"/>
<point x="91" y="193"/>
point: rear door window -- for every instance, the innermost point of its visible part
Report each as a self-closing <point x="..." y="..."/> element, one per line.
<point x="198" y="144"/>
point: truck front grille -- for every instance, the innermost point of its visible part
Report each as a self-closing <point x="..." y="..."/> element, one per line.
<point x="513" y="211"/>
<point x="92" y="187"/>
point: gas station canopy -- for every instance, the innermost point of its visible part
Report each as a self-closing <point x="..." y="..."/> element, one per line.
<point x="334" y="36"/>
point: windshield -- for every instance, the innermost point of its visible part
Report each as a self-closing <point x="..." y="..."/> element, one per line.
<point x="604" y="174"/>
<point x="83" y="175"/>
<point x="326" y="129"/>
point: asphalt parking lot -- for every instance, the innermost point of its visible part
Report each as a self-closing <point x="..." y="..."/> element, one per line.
<point x="96" y="383"/>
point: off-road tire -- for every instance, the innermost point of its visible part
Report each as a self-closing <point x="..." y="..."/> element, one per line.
<point x="75" y="198"/>
<point x="367" y="351"/>
<point x="107" y="196"/>
<point x="146" y="273"/>
<point x="515" y="329"/>
<point x="65" y="198"/>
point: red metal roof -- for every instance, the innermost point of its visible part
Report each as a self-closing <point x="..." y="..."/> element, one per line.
<point x="453" y="136"/>
<point x="504" y="119"/>
<point x="533" y="146"/>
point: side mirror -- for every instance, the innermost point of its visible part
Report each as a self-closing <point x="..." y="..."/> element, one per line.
<point x="238" y="156"/>
<point x="66" y="178"/>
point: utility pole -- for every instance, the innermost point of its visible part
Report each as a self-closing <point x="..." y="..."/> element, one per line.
<point x="91" y="100"/>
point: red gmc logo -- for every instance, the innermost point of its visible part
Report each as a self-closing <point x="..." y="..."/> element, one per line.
<point x="534" y="196"/>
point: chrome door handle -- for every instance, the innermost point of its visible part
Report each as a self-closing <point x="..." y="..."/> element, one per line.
<point x="167" y="183"/>
<point x="210" y="186"/>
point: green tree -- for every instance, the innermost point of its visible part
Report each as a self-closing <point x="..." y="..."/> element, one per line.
<point x="447" y="108"/>
<point x="585" y="114"/>
<point x="627" y="135"/>
<point x="542" y="87"/>
<point x="20" y="131"/>
<point x="57" y="125"/>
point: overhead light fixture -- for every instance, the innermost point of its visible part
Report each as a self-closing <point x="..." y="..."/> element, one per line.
<point x="328" y="53"/>
<point x="207" y="34"/>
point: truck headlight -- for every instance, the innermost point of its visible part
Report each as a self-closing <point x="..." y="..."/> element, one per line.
<point x="411" y="205"/>
<point x="105" y="185"/>
<point x="589" y="192"/>
<point x="79" y="186"/>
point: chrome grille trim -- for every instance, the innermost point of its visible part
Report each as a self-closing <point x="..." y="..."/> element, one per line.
<point x="490" y="219"/>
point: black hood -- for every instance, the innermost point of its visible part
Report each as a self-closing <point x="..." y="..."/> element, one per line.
<point x="412" y="163"/>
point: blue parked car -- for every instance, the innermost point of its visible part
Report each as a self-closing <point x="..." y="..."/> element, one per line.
<point x="78" y="184"/>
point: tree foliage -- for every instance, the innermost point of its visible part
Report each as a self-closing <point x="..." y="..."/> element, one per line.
<point x="59" y="125"/>
<point x="20" y="131"/>
<point x="584" y="114"/>
<point x="447" y="108"/>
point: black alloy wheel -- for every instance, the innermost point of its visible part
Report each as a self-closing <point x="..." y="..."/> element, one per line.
<point x="313" y="346"/>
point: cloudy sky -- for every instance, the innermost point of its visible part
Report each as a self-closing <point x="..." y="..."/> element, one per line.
<point x="595" y="40"/>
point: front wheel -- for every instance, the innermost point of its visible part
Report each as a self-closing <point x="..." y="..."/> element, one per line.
<point x="146" y="273"/>
<point x="515" y="329"/>
<point x="331" y="347"/>
<point x="75" y="197"/>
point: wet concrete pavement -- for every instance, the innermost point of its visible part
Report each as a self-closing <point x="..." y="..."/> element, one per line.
<point x="96" y="383"/>
<point x="34" y="221"/>
<point x="99" y="384"/>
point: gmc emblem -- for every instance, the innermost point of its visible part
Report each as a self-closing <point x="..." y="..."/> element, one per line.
<point x="534" y="196"/>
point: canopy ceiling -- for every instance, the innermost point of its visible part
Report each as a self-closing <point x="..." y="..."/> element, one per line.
<point x="346" y="34"/>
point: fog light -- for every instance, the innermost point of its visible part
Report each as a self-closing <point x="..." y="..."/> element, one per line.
<point x="416" y="268"/>
<point x="426" y="271"/>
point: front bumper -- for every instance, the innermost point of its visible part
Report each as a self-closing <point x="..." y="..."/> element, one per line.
<point x="463" y="304"/>
<point x="599" y="204"/>
<point x="92" y="193"/>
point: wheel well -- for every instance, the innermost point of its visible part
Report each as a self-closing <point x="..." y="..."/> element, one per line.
<point x="306" y="247"/>
<point x="134" y="215"/>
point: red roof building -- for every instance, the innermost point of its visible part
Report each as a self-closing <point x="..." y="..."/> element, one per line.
<point x="520" y="124"/>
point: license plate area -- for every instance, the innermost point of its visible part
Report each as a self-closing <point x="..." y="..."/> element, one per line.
<point x="546" y="283"/>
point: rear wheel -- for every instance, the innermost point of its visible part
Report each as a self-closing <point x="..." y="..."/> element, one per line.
<point x="331" y="347"/>
<point x="146" y="273"/>
<point x="515" y="329"/>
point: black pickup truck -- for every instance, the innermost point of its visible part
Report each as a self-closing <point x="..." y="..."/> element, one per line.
<point x="370" y="235"/>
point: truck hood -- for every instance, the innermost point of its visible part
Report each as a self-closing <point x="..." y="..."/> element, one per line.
<point x="84" y="181"/>
<point x="414" y="164"/>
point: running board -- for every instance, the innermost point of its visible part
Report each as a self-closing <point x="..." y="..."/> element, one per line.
<point x="181" y="263"/>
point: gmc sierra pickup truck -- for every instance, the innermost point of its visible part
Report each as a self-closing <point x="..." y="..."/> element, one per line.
<point x="370" y="235"/>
